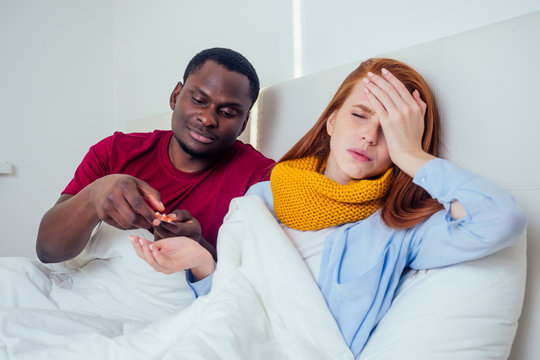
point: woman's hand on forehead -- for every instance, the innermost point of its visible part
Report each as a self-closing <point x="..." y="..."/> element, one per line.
<point x="401" y="115"/>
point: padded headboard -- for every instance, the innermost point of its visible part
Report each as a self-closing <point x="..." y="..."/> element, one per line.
<point x="487" y="84"/>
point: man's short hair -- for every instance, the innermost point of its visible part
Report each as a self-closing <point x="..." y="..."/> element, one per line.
<point x="232" y="61"/>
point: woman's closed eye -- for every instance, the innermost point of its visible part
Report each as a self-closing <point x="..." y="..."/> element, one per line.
<point x="359" y="115"/>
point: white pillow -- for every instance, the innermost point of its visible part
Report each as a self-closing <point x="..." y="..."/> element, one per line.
<point x="466" y="311"/>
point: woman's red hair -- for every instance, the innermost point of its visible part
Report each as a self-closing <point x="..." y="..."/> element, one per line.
<point x="406" y="204"/>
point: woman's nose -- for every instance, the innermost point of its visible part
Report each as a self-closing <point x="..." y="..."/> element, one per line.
<point x="370" y="133"/>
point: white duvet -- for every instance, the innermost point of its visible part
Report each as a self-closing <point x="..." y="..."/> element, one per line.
<point x="264" y="303"/>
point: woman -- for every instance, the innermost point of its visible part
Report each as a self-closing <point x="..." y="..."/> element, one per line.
<point x="363" y="195"/>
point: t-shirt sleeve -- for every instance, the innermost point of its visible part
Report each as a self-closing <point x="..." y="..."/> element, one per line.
<point x="265" y="174"/>
<point x="94" y="166"/>
<point x="263" y="170"/>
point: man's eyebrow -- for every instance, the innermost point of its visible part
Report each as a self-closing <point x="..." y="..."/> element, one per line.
<point x="198" y="89"/>
<point x="234" y="104"/>
<point x="365" y="108"/>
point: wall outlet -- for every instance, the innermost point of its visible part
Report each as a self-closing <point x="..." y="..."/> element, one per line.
<point x="5" y="168"/>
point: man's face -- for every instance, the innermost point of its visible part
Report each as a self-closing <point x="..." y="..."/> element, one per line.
<point x="210" y="111"/>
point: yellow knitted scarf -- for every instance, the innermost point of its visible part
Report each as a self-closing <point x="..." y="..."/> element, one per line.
<point x="307" y="200"/>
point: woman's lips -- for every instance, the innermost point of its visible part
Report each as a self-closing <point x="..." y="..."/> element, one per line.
<point x="359" y="155"/>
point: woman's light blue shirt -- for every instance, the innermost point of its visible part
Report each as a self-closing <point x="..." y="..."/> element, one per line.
<point x="362" y="262"/>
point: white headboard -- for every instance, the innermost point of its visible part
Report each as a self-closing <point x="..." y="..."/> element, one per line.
<point x="487" y="82"/>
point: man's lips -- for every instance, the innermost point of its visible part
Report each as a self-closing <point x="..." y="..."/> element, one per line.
<point x="201" y="136"/>
<point x="359" y="155"/>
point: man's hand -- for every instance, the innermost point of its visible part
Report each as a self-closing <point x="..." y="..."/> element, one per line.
<point x="119" y="200"/>
<point x="183" y="224"/>
<point x="174" y="254"/>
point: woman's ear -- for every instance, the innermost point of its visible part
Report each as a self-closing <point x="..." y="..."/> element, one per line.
<point x="330" y="123"/>
<point x="174" y="95"/>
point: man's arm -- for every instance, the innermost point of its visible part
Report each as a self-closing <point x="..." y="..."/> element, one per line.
<point x="212" y="250"/>
<point x="65" y="229"/>
<point x="116" y="199"/>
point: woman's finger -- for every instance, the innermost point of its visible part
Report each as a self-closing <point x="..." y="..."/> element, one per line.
<point x="387" y="94"/>
<point x="419" y="101"/>
<point x="148" y="248"/>
<point x="136" y="246"/>
<point x="377" y="107"/>
<point x="400" y="88"/>
<point x="381" y="95"/>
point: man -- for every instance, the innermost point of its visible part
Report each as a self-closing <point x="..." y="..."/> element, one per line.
<point x="191" y="172"/>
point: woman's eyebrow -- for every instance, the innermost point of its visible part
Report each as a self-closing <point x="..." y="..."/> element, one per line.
<point x="365" y="108"/>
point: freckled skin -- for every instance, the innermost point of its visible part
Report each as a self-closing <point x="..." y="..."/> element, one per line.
<point x="358" y="148"/>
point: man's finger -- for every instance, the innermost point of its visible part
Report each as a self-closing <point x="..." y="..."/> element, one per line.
<point x="139" y="208"/>
<point x="121" y="217"/>
<point x="151" y="194"/>
<point x="181" y="215"/>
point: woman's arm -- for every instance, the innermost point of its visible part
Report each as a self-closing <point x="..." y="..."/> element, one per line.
<point x="492" y="219"/>
<point x="401" y="115"/>
<point x="175" y="254"/>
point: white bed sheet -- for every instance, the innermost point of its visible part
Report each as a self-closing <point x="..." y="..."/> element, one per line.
<point x="264" y="304"/>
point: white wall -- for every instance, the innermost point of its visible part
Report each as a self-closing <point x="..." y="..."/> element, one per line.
<point x="73" y="71"/>
<point x="153" y="44"/>
<point x="55" y="100"/>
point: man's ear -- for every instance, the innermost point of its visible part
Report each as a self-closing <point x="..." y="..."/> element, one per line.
<point x="244" y="125"/>
<point x="174" y="95"/>
<point x="330" y="123"/>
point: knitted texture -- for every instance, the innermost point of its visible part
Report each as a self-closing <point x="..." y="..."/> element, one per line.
<point x="307" y="200"/>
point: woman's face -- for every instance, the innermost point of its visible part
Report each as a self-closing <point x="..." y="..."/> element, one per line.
<point x="358" y="148"/>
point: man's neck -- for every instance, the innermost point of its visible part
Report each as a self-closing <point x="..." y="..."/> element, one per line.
<point x="186" y="162"/>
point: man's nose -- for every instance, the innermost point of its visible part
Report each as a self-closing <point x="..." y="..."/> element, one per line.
<point x="207" y="117"/>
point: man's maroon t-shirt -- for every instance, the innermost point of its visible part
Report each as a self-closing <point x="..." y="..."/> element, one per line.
<point x="205" y="194"/>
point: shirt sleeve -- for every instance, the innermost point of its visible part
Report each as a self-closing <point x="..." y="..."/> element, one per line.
<point x="201" y="287"/>
<point x="94" y="166"/>
<point x="493" y="218"/>
<point x="264" y="171"/>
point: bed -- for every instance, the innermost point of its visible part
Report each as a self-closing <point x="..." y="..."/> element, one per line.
<point x="486" y="84"/>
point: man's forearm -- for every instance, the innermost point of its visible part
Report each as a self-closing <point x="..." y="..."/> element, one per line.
<point x="212" y="250"/>
<point x="65" y="229"/>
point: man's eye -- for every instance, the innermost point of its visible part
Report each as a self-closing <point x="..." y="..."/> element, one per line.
<point x="197" y="100"/>
<point x="228" y="114"/>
